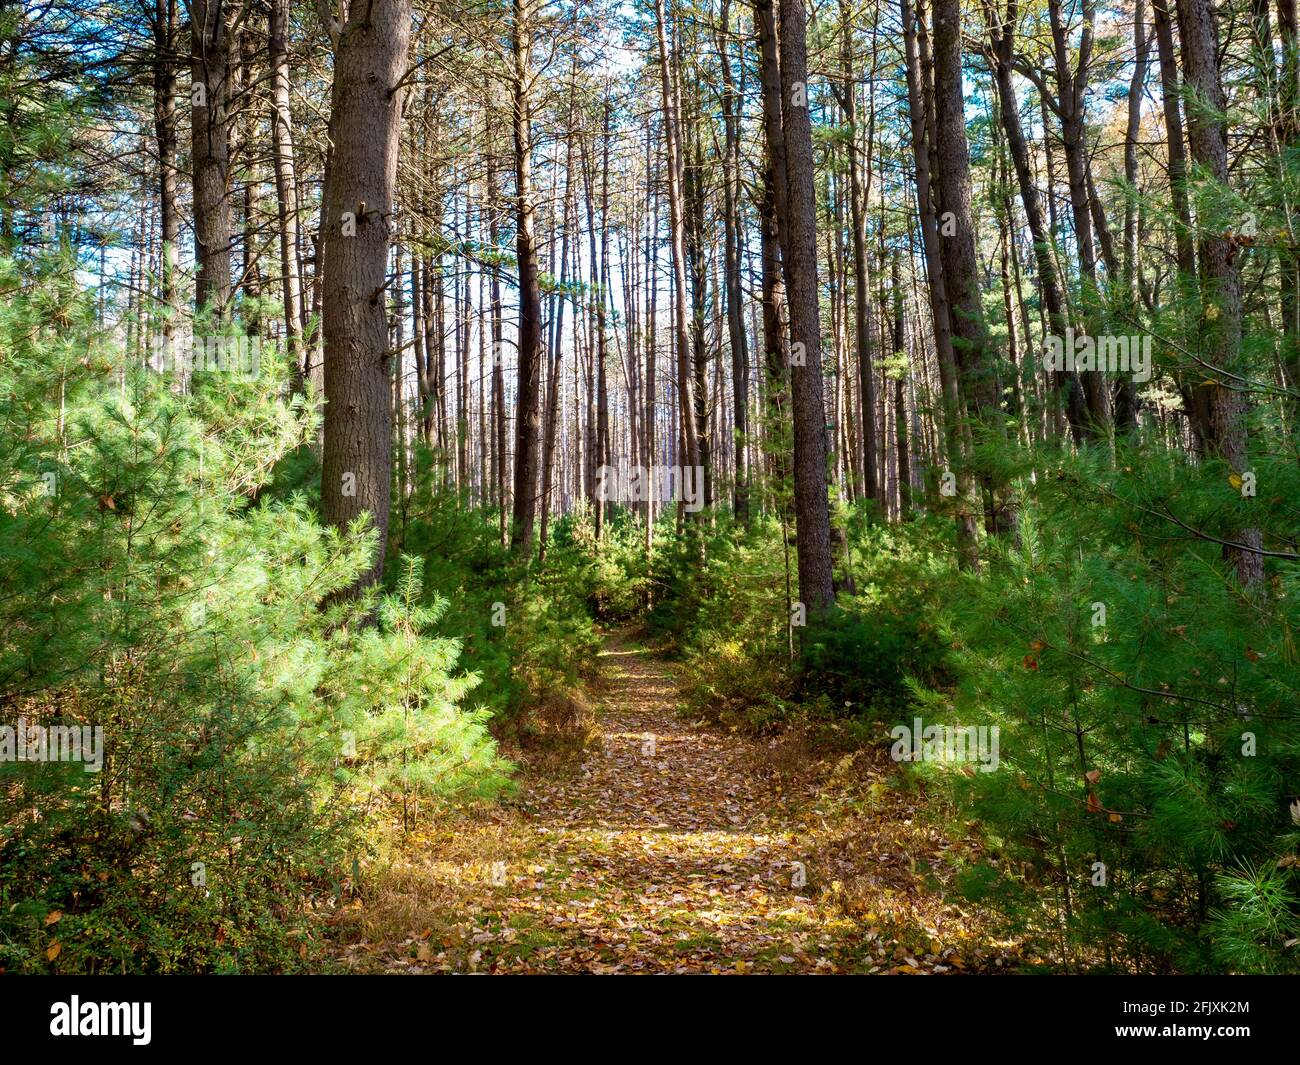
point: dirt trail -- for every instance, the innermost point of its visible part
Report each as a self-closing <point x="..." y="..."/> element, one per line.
<point x="667" y="850"/>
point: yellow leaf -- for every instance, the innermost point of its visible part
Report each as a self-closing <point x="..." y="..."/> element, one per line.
<point x="1234" y="480"/>
<point x="54" y="950"/>
<point x="53" y="917"/>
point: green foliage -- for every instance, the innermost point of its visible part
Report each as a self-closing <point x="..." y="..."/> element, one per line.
<point x="612" y="574"/>
<point x="149" y="589"/>
<point x="1140" y="814"/>
<point x="1146" y="708"/>
<point x="730" y="613"/>
<point x="875" y="643"/>
<point x="524" y="630"/>
<point x="1250" y="934"/>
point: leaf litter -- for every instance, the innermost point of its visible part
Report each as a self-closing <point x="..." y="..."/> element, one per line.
<point x="671" y="848"/>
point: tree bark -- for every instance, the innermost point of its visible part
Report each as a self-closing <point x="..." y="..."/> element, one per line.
<point x="1170" y="96"/>
<point x="286" y="188"/>
<point x="365" y="116"/>
<point x="1126" y="392"/>
<point x="734" y="238"/>
<point x="861" y="279"/>
<point x="1219" y="408"/>
<point x="921" y="116"/>
<point x="210" y="156"/>
<point x="975" y="357"/>
<point x="1002" y="38"/>
<point x="812" y="510"/>
<point x="527" y="402"/>
<point x="165" y="129"/>
<point x="677" y="230"/>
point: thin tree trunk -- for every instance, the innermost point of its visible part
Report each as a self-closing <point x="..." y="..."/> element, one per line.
<point x="733" y="237"/>
<point x="1066" y="383"/>
<point x="940" y="310"/>
<point x="286" y="189"/>
<point x="1126" y="392"/>
<point x="861" y="279"/>
<point x="677" y="230"/>
<point x="527" y="403"/>
<point x="165" y="129"/>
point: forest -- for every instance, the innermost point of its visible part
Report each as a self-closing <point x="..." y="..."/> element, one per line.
<point x="649" y="486"/>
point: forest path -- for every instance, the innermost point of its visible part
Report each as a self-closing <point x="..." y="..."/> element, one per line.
<point x="671" y="848"/>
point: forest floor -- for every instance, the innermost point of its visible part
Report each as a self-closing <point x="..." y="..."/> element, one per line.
<point x="671" y="846"/>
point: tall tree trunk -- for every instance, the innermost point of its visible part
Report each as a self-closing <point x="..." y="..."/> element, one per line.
<point x="772" y="210"/>
<point x="1002" y="33"/>
<point x="975" y="357"/>
<point x="243" y="129"/>
<point x="733" y="237"/>
<point x="902" y="446"/>
<point x="422" y="386"/>
<point x="812" y="508"/>
<point x="1187" y="284"/>
<point x="861" y="279"/>
<point x="677" y="231"/>
<point x="498" y="364"/>
<point x="1072" y="84"/>
<point x="1126" y="392"/>
<point x="602" y="297"/>
<point x="1288" y="131"/>
<point x="920" y="113"/>
<point x="365" y="115"/>
<point x="1170" y="101"/>
<point x="550" y="426"/>
<point x="527" y="402"/>
<point x="398" y="342"/>
<point x="210" y="155"/>
<point x="464" y="313"/>
<point x="286" y="188"/>
<point x="648" y="453"/>
<point x="1219" y="408"/>
<point x="694" y="200"/>
<point x="165" y="129"/>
